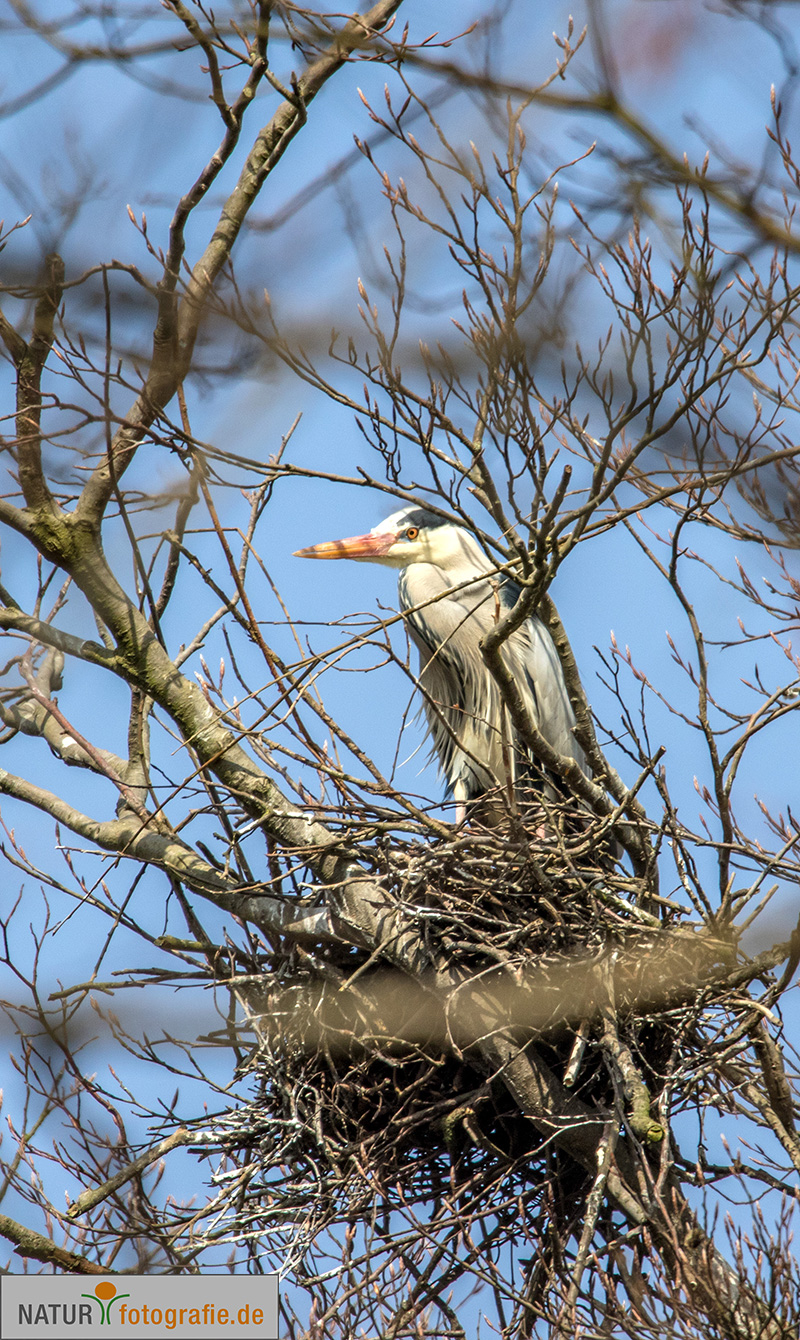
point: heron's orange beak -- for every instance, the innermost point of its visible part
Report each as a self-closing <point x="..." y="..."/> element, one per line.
<point x="357" y="546"/>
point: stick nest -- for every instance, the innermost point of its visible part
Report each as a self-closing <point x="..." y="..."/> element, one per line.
<point x="370" y="1085"/>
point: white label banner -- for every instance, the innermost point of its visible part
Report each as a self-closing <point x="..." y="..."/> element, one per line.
<point x="139" y="1307"/>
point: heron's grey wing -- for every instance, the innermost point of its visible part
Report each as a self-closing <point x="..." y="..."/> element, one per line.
<point x="448" y="632"/>
<point x="532" y="659"/>
<point x="531" y="655"/>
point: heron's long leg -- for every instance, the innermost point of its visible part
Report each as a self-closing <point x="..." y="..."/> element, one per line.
<point x="460" y="796"/>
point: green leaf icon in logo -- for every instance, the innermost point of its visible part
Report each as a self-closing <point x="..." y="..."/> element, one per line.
<point x="105" y="1294"/>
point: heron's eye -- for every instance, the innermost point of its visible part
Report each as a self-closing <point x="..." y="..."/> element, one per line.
<point x="412" y="532"/>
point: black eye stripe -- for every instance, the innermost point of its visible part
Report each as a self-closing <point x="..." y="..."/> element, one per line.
<point x="421" y="518"/>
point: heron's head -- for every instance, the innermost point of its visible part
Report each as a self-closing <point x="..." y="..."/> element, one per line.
<point x="412" y="535"/>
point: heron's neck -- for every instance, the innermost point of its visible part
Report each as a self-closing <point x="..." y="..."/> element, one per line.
<point x="420" y="582"/>
<point x="457" y="555"/>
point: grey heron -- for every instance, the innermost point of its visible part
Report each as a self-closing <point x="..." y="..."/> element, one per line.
<point x="449" y="592"/>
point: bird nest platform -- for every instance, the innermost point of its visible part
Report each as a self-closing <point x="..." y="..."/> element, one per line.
<point x="379" y="1077"/>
